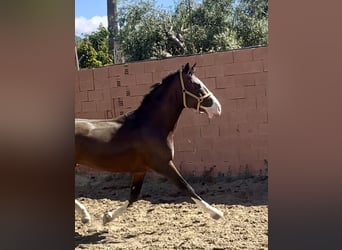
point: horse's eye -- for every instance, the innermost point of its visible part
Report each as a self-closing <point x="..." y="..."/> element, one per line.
<point x="197" y="86"/>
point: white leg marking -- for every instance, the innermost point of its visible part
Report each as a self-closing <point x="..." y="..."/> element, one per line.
<point x="80" y="208"/>
<point x="214" y="212"/>
<point x="109" y="216"/>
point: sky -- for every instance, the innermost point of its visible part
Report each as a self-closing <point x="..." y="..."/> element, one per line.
<point x="90" y="13"/>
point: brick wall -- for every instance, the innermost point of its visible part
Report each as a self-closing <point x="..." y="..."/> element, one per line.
<point x="234" y="142"/>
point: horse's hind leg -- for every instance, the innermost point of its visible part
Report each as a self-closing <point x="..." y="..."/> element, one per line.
<point x="137" y="181"/>
<point x="80" y="208"/>
<point x="170" y="171"/>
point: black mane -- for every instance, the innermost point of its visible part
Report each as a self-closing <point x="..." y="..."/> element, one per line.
<point x="157" y="86"/>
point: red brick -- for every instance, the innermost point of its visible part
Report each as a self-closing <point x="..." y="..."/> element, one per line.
<point x="104" y="105"/>
<point x="259" y="116"/>
<point x="92" y="115"/>
<point x="131" y="102"/>
<point x="210" y="83"/>
<point x="139" y="90"/>
<point x="178" y="158"/>
<point x="144" y="78"/>
<point x="189" y="167"/>
<point x="86" y="85"/>
<point x="228" y="105"/>
<point x="239" y="116"/>
<point x="243" y="55"/>
<point x="247" y="104"/>
<point x="114" y="82"/>
<point x="261" y="141"/>
<point x="152" y="66"/>
<point x="173" y="64"/>
<point x="255" y="91"/>
<point x="116" y="70"/>
<point x="200" y="72"/>
<point x="247" y="155"/>
<point x="185" y="146"/>
<point x="192" y="157"/>
<point x="102" y="84"/>
<point x="262" y="102"/>
<point x="214" y="71"/>
<point x="261" y="78"/>
<point x="225" y="118"/>
<point x="136" y="68"/>
<point x="106" y="95"/>
<point x="200" y="119"/>
<point x="244" y="67"/>
<point x="118" y="92"/>
<point x="257" y="165"/>
<point x="221" y="94"/>
<point x="109" y="114"/>
<point x="78" y="106"/>
<point x="228" y="130"/>
<point x="127" y="80"/>
<point x="88" y="106"/>
<point x="157" y="76"/>
<point x="81" y="96"/>
<point x="100" y="73"/>
<point x="210" y="131"/>
<point x="262" y="153"/>
<point x="85" y="75"/>
<point x="203" y="143"/>
<point x="260" y="53"/>
<point x="224" y="57"/>
<point x="225" y="82"/>
<point x="190" y="132"/>
<point x="236" y="93"/>
<point x="264" y="129"/>
<point x="244" y="80"/>
<point x="265" y="64"/>
<point x="205" y="59"/>
<point x="95" y="95"/>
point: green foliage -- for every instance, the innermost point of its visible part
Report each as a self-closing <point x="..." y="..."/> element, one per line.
<point x="147" y="31"/>
<point x="213" y="25"/>
<point x="92" y="51"/>
<point x="251" y="25"/>
<point x="141" y="35"/>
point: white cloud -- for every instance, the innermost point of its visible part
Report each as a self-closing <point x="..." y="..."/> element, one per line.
<point x="86" y="26"/>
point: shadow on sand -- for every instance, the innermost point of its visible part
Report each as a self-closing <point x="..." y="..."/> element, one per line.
<point x="246" y="191"/>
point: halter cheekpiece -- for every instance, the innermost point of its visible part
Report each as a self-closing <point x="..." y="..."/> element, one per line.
<point x="185" y="92"/>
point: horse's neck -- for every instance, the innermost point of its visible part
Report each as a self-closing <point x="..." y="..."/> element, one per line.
<point x="163" y="112"/>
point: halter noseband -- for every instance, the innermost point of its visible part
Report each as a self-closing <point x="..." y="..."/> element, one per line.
<point x="185" y="92"/>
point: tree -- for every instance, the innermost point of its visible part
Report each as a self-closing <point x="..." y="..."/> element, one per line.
<point x="92" y="50"/>
<point x="251" y="25"/>
<point x="212" y="25"/>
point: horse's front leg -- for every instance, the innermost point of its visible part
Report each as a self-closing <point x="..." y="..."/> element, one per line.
<point x="170" y="171"/>
<point x="80" y="208"/>
<point x="137" y="181"/>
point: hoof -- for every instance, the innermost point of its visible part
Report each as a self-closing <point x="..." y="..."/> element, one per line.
<point x="86" y="220"/>
<point x="107" y="217"/>
<point x="217" y="215"/>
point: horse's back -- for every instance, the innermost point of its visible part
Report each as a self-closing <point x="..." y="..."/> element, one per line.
<point x="107" y="145"/>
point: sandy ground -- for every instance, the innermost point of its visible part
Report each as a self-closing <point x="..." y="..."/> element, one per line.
<point x="164" y="218"/>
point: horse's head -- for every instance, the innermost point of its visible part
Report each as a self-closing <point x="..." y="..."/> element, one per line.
<point x="196" y="95"/>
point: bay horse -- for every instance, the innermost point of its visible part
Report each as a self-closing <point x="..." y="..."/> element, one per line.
<point x="142" y="140"/>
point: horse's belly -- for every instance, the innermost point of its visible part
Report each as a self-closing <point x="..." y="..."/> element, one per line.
<point x="106" y="158"/>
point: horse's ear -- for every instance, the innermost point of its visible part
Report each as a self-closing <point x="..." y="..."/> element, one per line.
<point x="186" y="69"/>
<point x="192" y="70"/>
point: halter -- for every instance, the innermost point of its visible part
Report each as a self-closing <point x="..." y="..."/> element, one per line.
<point x="185" y="92"/>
